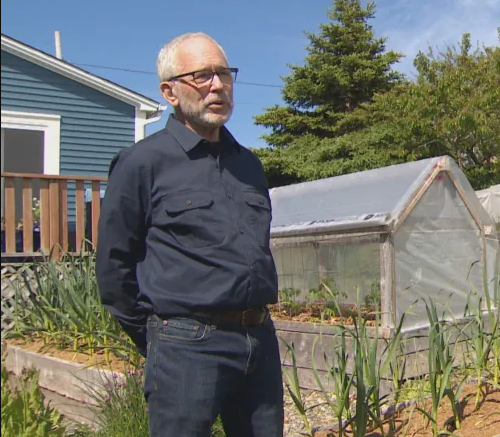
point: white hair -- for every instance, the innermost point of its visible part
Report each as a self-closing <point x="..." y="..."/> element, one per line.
<point x="167" y="63"/>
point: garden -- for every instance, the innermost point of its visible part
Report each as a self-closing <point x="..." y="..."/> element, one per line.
<point x="388" y="312"/>
<point x="365" y="390"/>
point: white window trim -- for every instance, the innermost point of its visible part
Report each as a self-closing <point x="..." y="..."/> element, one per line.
<point x="50" y="124"/>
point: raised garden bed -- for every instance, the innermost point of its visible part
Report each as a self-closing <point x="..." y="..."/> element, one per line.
<point x="64" y="385"/>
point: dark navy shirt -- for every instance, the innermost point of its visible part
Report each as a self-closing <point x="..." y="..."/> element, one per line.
<point x="184" y="227"/>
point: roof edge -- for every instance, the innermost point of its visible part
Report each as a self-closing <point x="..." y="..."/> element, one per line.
<point x="417" y="189"/>
<point x="379" y="220"/>
<point x="77" y="74"/>
<point x="422" y="183"/>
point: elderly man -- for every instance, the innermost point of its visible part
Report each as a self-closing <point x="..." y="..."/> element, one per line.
<point x="183" y="259"/>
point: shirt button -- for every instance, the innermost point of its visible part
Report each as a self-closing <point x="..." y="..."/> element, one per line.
<point x="229" y="195"/>
<point x="188" y="202"/>
<point x="242" y="231"/>
<point x="252" y="268"/>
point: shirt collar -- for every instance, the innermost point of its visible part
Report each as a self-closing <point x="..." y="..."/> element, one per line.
<point x="189" y="139"/>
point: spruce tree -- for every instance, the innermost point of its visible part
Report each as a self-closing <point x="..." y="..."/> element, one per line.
<point x="345" y="66"/>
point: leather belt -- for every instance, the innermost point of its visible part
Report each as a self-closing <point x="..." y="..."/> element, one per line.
<point x="248" y="317"/>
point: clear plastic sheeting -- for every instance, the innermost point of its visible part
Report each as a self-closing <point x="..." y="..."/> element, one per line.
<point x="476" y="208"/>
<point x="365" y="199"/>
<point x="438" y="254"/>
<point x="359" y="199"/>
<point x="490" y="200"/>
<point x="493" y="267"/>
<point x="399" y="235"/>
<point x="347" y="269"/>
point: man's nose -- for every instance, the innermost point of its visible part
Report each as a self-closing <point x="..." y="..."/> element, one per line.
<point x="216" y="82"/>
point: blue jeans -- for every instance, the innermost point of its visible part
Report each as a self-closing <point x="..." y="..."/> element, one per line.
<point x="196" y="371"/>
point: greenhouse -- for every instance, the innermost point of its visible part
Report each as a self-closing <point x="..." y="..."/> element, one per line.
<point x="395" y="236"/>
<point x="490" y="199"/>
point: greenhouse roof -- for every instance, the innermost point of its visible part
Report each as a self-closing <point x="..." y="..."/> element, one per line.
<point x="367" y="199"/>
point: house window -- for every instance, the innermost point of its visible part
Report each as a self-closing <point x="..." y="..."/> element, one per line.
<point x="46" y="126"/>
<point x="30" y="144"/>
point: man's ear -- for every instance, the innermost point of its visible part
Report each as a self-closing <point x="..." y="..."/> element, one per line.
<point x="169" y="94"/>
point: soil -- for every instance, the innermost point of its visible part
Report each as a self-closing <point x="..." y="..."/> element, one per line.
<point x="97" y="360"/>
<point x="317" y="314"/>
<point x="485" y="422"/>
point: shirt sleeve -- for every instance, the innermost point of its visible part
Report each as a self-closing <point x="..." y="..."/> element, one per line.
<point x="121" y="244"/>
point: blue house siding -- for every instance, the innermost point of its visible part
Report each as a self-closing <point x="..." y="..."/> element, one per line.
<point x="94" y="126"/>
<point x="91" y="121"/>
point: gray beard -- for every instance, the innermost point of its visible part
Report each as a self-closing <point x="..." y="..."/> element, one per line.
<point x="206" y="120"/>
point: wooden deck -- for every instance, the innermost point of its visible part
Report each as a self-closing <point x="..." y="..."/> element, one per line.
<point x="53" y="224"/>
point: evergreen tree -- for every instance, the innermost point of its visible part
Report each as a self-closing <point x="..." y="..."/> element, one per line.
<point x="345" y="66"/>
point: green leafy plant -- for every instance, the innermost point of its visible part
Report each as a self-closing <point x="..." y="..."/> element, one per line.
<point x="376" y="363"/>
<point x="492" y="298"/>
<point x="337" y="359"/>
<point x="326" y="298"/>
<point x="23" y="410"/>
<point x="441" y="362"/>
<point x="288" y="299"/>
<point x="119" y="405"/>
<point x="397" y="372"/>
<point x="292" y="385"/>
<point x="370" y="364"/>
<point x="479" y="343"/>
<point x="218" y="429"/>
<point x="36" y="209"/>
<point x="121" y="408"/>
<point x="362" y="393"/>
<point x="372" y="299"/>
<point x="482" y="333"/>
<point x="60" y="304"/>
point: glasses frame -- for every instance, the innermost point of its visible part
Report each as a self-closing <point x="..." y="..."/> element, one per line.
<point x="232" y="70"/>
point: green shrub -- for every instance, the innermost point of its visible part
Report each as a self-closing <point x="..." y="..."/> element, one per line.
<point x="23" y="410"/>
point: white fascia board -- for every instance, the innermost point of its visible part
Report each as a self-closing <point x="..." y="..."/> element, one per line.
<point x="140" y="124"/>
<point x="77" y="74"/>
<point x="143" y="118"/>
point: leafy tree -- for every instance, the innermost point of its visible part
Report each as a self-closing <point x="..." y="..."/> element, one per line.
<point x="453" y="108"/>
<point x="345" y="66"/>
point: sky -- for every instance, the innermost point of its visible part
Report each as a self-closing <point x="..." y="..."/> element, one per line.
<point x="260" y="37"/>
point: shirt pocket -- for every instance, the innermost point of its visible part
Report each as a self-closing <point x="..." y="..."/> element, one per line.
<point x="191" y="218"/>
<point x="257" y="215"/>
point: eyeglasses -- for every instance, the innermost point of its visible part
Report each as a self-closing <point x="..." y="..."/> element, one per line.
<point x="203" y="77"/>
